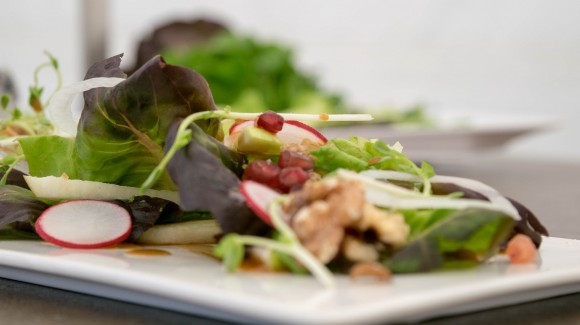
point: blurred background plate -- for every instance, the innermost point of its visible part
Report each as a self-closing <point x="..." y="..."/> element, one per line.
<point x="453" y="136"/>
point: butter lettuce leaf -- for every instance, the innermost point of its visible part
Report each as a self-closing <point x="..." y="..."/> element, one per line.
<point x="49" y="155"/>
<point x="122" y="129"/>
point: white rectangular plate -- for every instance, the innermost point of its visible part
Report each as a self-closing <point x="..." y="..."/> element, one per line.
<point x="190" y="282"/>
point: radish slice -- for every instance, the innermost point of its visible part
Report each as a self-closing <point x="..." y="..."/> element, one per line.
<point x="295" y="132"/>
<point x="258" y="197"/>
<point x="292" y="132"/>
<point x="84" y="224"/>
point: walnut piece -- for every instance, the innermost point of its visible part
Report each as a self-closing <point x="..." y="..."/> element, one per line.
<point x="317" y="231"/>
<point x="321" y="212"/>
<point x="304" y="147"/>
<point x="372" y="270"/>
<point x="359" y="251"/>
<point x="390" y="227"/>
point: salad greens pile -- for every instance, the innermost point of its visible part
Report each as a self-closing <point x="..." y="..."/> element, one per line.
<point x="253" y="76"/>
<point x="159" y="128"/>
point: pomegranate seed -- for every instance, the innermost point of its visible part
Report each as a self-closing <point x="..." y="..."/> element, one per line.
<point x="521" y="249"/>
<point x="291" y="178"/>
<point x="270" y="121"/>
<point x="263" y="172"/>
<point x="289" y="158"/>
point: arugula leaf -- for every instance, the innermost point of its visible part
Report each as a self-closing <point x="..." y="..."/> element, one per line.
<point x="473" y="232"/>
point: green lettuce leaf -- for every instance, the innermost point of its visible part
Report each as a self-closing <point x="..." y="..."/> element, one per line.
<point x="450" y="239"/>
<point x="49" y="155"/>
<point x="421" y="220"/>
<point x="357" y="153"/>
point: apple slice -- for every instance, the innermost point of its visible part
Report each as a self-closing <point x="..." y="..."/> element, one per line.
<point x="258" y="197"/>
<point x="84" y="224"/>
<point x="292" y="132"/>
<point x="62" y="188"/>
<point x="181" y="233"/>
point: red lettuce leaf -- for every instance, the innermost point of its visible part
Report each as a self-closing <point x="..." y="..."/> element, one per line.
<point x="121" y="133"/>
<point x="529" y="225"/>
<point x="206" y="184"/>
<point x="19" y="208"/>
<point x="146" y="212"/>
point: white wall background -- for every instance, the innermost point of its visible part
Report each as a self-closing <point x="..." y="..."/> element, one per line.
<point x="515" y="57"/>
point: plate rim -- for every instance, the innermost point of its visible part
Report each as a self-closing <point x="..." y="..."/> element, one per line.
<point x="552" y="283"/>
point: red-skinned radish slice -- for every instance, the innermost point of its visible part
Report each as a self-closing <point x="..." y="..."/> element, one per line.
<point x="258" y="197"/>
<point x="84" y="224"/>
<point x="292" y="132"/>
<point x="295" y="132"/>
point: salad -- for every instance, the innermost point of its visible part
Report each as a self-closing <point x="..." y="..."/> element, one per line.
<point x="151" y="160"/>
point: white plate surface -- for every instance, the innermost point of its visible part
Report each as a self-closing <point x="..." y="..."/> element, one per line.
<point x="190" y="282"/>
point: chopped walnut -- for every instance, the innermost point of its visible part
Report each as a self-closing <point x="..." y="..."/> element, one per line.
<point x="303" y="147"/>
<point x="390" y="228"/>
<point x="348" y="202"/>
<point x="314" y="176"/>
<point x="321" y="212"/>
<point x="13" y="130"/>
<point x="373" y="270"/>
<point x="359" y="251"/>
<point x="317" y="231"/>
<point x="310" y="192"/>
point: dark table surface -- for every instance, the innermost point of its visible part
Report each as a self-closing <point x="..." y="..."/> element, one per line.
<point x="550" y="189"/>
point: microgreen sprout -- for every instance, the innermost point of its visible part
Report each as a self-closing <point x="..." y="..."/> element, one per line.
<point x="8" y="163"/>
<point x="231" y="247"/>
<point x="36" y="90"/>
<point x="20" y="123"/>
<point x="4" y="101"/>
